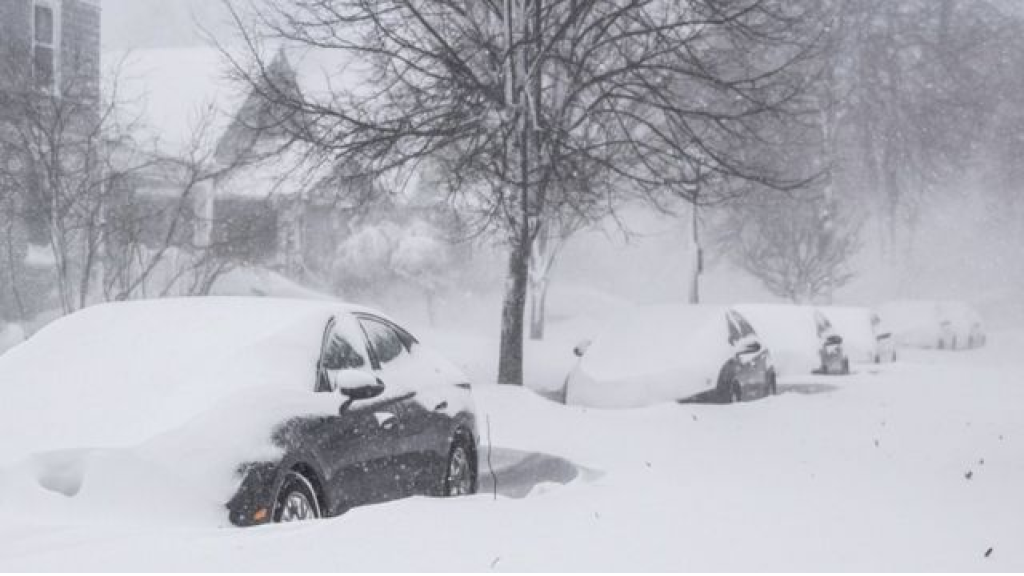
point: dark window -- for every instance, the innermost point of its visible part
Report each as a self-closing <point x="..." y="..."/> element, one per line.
<point x="824" y="326"/>
<point x="341" y="355"/>
<point x="387" y="345"/>
<point x="44" y="47"/>
<point x="734" y="332"/>
<point x="44" y="25"/>
<point x="745" y="328"/>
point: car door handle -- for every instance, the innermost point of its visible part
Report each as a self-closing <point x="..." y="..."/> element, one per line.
<point x="386" y="420"/>
<point x="441" y="406"/>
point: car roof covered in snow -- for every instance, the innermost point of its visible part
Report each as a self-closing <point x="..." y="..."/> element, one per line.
<point x="117" y="374"/>
<point x="654" y="337"/>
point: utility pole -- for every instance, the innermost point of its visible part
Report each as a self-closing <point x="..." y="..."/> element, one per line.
<point x="697" y="250"/>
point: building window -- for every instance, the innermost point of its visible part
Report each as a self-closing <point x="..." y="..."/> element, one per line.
<point x="44" y="46"/>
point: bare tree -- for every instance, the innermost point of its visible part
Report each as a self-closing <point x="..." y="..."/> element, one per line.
<point x="80" y="215"/>
<point x="778" y="240"/>
<point x="516" y="97"/>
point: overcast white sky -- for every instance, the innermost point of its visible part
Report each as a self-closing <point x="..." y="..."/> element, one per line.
<point x="137" y="24"/>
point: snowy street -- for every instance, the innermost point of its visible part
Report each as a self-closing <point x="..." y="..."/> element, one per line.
<point x="911" y="466"/>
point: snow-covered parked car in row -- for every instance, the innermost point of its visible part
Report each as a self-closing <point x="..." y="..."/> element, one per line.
<point x="866" y="339"/>
<point x="672" y="353"/>
<point x="278" y="410"/>
<point x="946" y="325"/>
<point x="801" y="338"/>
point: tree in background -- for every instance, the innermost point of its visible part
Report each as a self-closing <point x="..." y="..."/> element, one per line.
<point x="778" y="240"/>
<point x="77" y="225"/>
<point x="386" y="254"/>
<point x="516" y="98"/>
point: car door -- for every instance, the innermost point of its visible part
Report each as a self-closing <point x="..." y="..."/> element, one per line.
<point x="357" y="445"/>
<point x="391" y="352"/>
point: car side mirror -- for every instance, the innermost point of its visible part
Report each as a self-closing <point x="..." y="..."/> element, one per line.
<point x="751" y="348"/>
<point x="582" y="348"/>
<point x="834" y="340"/>
<point x="355" y="384"/>
<point x="748" y="345"/>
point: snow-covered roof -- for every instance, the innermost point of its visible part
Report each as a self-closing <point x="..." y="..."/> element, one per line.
<point x="185" y="100"/>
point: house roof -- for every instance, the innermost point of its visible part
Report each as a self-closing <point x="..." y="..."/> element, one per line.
<point x="182" y="98"/>
<point x="189" y="100"/>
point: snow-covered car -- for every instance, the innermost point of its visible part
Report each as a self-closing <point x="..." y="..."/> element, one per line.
<point x="968" y="327"/>
<point x="671" y="353"/>
<point x="279" y="410"/>
<point x="865" y="339"/>
<point x="946" y="325"/>
<point x="886" y="345"/>
<point x="801" y="338"/>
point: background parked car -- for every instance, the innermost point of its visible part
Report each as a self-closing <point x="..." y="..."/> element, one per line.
<point x="865" y="338"/>
<point x="672" y="353"/>
<point x="801" y="339"/>
<point x="281" y="410"/>
<point x="945" y="325"/>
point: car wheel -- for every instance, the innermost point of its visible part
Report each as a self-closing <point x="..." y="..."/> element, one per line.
<point x="846" y="367"/>
<point x="460" y="473"/>
<point x="878" y="358"/>
<point x="773" y="383"/>
<point x="296" y="500"/>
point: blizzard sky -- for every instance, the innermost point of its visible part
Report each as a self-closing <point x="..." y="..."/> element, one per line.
<point x="648" y="267"/>
<point x="140" y="24"/>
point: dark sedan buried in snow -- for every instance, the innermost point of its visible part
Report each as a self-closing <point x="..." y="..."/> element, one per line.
<point x="280" y="410"/>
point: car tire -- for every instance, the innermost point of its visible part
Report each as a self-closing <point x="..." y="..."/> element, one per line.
<point x="296" y="500"/>
<point x="845" y="370"/>
<point x="460" y="474"/>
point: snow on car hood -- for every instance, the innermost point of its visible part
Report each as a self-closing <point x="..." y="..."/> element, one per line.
<point x="653" y="354"/>
<point x="116" y="375"/>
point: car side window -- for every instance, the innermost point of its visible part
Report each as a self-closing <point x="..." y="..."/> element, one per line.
<point x="342" y="348"/>
<point x="339" y="354"/>
<point x="745" y="328"/>
<point x="385" y="341"/>
<point x="734" y="331"/>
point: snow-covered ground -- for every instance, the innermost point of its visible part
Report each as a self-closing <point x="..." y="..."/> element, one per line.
<point x="912" y="466"/>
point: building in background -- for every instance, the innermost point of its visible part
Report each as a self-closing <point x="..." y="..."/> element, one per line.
<point x="49" y="53"/>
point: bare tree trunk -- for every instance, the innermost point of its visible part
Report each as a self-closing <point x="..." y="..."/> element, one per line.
<point x="538" y="308"/>
<point x="510" y="361"/>
<point x="697" y="263"/>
